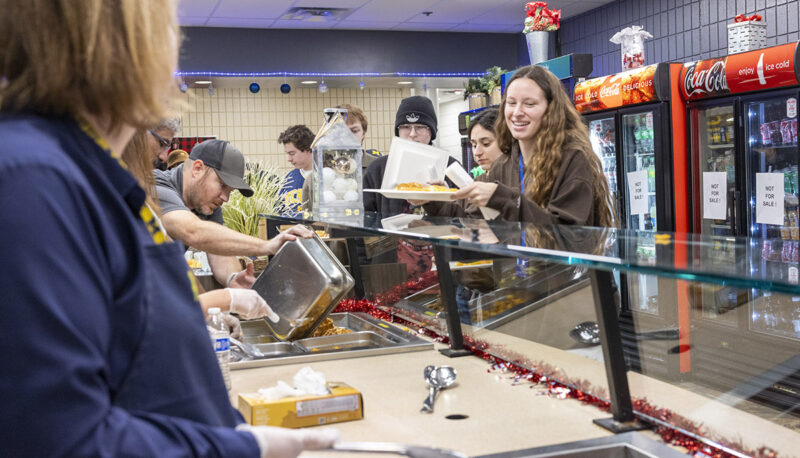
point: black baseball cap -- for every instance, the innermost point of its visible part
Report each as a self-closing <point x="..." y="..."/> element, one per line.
<point x="226" y="160"/>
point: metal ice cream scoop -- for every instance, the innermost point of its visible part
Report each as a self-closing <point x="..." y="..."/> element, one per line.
<point x="438" y="378"/>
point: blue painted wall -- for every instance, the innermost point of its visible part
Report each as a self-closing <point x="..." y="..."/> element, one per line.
<point x="683" y="30"/>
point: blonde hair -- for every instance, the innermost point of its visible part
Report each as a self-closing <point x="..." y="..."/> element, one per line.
<point x="140" y="163"/>
<point x="562" y="128"/>
<point x="108" y="58"/>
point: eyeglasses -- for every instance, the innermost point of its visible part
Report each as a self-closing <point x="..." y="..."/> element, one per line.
<point x="163" y="142"/>
<point x="420" y="128"/>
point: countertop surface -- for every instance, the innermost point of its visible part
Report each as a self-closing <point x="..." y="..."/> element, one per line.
<point x="500" y="416"/>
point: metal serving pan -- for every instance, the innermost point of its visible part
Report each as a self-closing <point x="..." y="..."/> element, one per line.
<point x="360" y="340"/>
<point x="391" y="339"/>
<point x="302" y="283"/>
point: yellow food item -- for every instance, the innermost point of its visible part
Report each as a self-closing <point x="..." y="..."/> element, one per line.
<point x="328" y="329"/>
<point x="413" y="186"/>
<point x="474" y="263"/>
<point x="194" y="264"/>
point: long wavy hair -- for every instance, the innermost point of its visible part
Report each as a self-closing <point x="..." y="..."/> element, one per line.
<point x="562" y="128"/>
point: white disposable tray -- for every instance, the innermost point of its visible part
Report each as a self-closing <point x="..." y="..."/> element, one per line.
<point x="413" y="162"/>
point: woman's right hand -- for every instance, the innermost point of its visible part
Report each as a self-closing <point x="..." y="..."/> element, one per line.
<point x="274" y="442"/>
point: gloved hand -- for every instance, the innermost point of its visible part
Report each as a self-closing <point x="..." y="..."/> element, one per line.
<point x="288" y="443"/>
<point x="234" y="327"/>
<point x="249" y="305"/>
<point x="243" y="279"/>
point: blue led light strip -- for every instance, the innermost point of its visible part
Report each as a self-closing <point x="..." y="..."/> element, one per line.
<point x="328" y="75"/>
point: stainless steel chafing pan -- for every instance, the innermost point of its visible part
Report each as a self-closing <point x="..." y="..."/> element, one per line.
<point x="302" y="283"/>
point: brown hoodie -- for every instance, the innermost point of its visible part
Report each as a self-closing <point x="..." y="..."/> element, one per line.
<point x="571" y="199"/>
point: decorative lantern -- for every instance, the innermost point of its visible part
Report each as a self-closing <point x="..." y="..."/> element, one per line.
<point x="337" y="170"/>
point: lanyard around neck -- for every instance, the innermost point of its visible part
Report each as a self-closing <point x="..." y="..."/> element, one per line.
<point x="145" y="212"/>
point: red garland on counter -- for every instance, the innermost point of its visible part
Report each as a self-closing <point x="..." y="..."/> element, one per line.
<point x="572" y="389"/>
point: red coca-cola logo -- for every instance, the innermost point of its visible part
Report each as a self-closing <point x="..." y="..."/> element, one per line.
<point x="704" y="78"/>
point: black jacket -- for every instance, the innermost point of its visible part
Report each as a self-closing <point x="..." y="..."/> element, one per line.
<point x="375" y="202"/>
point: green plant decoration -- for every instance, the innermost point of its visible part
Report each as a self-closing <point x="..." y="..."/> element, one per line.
<point x="485" y="84"/>
<point x="240" y="213"/>
<point x="492" y="78"/>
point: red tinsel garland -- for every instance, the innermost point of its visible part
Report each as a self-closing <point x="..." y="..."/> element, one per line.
<point x="519" y="366"/>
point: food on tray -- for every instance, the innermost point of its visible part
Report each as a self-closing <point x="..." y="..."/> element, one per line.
<point x="485" y="262"/>
<point x="327" y="328"/>
<point x="413" y="186"/>
<point x="194" y="264"/>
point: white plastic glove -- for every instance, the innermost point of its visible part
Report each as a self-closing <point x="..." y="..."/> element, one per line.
<point x="288" y="443"/>
<point x="249" y="305"/>
<point x="234" y="327"/>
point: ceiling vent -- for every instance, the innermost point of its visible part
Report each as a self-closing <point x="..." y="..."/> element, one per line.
<point x="312" y="14"/>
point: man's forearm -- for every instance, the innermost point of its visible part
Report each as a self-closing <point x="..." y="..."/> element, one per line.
<point x="223" y="267"/>
<point x="217" y="239"/>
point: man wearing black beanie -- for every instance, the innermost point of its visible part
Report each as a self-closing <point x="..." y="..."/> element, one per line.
<point x="415" y="121"/>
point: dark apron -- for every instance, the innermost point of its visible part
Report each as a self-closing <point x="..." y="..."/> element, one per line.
<point x="174" y="371"/>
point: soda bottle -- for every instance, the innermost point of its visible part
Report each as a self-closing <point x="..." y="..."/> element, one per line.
<point x="220" y="338"/>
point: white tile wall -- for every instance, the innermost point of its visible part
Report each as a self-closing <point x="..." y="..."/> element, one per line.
<point x="253" y="122"/>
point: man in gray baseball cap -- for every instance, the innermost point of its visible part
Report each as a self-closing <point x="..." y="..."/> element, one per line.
<point x="226" y="161"/>
<point x="191" y="196"/>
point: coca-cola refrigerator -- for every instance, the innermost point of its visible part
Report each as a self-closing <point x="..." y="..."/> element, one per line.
<point x="633" y="123"/>
<point x="743" y="154"/>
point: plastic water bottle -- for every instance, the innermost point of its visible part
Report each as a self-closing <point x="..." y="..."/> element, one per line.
<point x="220" y="338"/>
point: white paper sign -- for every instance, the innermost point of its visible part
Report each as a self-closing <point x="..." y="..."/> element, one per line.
<point x="769" y="198"/>
<point x="637" y="192"/>
<point x="715" y="195"/>
<point x="791" y="107"/>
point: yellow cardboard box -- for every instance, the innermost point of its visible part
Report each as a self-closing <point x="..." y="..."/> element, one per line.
<point x="344" y="403"/>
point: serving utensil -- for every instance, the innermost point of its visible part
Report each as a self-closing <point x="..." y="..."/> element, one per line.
<point x="438" y="378"/>
<point x="414" y="451"/>
<point x="588" y="333"/>
<point x="248" y="348"/>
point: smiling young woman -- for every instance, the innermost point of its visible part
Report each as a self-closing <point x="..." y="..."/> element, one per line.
<point x="551" y="175"/>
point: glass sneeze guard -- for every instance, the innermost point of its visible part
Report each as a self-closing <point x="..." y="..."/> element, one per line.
<point x="592" y="247"/>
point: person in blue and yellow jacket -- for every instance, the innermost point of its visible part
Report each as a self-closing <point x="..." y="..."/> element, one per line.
<point x="296" y="142"/>
<point x="117" y="360"/>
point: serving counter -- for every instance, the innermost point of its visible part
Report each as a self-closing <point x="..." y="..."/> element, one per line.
<point x="558" y="365"/>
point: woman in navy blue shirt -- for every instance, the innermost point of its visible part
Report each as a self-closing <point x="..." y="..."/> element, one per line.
<point x="106" y="351"/>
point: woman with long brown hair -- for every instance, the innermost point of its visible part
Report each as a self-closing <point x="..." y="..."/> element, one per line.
<point x="551" y="175"/>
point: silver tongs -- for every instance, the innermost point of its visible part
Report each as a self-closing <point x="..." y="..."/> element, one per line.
<point x="414" y="451"/>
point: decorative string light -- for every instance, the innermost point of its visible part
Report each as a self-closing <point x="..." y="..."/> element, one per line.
<point x="328" y="75"/>
<point x="362" y="85"/>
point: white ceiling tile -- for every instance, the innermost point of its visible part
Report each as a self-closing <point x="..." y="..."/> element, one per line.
<point x="347" y="24"/>
<point x="390" y="10"/>
<point x="289" y="24"/>
<point x="502" y="16"/>
<point x="247" y="23"/>
<point x="422" y="26"/>
<point x="252" y="8"/>
<point x="196" y="8"/>
<point x="330" y="3"/>
<point x="457" y="11"/>
<point x="485" y="28"/>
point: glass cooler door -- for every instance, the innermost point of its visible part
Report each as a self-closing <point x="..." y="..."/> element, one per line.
<point x="713" y="153"/>
<point x="639" y="174"/>
<point x="603" y="136"/>
<point x="772" y="152"/>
